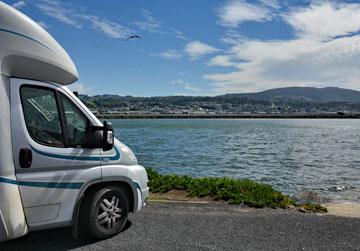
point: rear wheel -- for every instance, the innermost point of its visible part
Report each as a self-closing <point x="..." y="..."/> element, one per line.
<point x="105" y="212"/>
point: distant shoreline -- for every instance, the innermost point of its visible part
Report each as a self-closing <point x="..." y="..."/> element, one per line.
<point x="227" y="116"/>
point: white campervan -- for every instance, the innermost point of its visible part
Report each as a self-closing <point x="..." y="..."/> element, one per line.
<point x="59" y="166"/>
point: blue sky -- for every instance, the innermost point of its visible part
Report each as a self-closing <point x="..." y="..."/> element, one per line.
<point x="204" y="47"/>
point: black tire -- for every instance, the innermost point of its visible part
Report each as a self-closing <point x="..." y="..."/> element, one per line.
<point x="100" y="222"/>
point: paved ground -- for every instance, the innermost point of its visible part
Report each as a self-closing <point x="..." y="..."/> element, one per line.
<point x="177" y="226"/>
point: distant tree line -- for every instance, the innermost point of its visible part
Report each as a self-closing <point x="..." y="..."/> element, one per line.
<point x="223" y="103"/>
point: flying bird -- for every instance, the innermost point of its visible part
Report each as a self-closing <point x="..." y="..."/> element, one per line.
<point x="132" y="37"/>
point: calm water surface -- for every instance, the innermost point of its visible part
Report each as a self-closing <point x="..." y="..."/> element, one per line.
<point x="293" y="155"/>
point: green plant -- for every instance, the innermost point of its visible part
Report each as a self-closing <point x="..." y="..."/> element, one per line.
<point x="234" y="191"/>
<point x="316" y="208"/>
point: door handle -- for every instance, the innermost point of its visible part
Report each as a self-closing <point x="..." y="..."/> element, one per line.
<point x="25" y="157"/>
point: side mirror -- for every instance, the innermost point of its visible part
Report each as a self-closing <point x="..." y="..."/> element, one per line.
<point x="104" y="141"/>
<point x="108" y="136"/>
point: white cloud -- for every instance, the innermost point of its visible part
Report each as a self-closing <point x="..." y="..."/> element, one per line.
<point x="43" y="24"/>
<point x="299" y="62"/>
<point x="170" y="54"/>
<point x="109" y="28"/>
<point x="271" y="3"/>
<point x="232" y="37"/>
<point x="19" y="4"/>
<point x="235" y="12"/>
<point x="78" y="18"/>
<point x="325" y="52"/>
<point x="150" y="24"/>
<point x="325" y="20"/>
<point x="62" y="13"/>
<point x="177" y="33"/>
<point x="153" y="25"/>
<point x="221" y="60"/>
<point x="196" y="49"/>
<point x="186" y="85"/>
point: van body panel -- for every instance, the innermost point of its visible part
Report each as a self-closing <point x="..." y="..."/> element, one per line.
<point x="134" y="173"/>
<point x="56" y="174"/>
<point x="60" y="188"/>
<point x="42" y="213"/>
<point x="12" y="221"/>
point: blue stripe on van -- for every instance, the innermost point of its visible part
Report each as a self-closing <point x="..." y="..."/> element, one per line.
<point x="58" y="185"/>
<point x="9" y="181"/>
<point x="74" y="157"/>
<point x="24" y="36"/>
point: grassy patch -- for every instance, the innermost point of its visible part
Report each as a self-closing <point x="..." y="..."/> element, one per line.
<point x="316" y="208"/>
<point x="234" y="191"/>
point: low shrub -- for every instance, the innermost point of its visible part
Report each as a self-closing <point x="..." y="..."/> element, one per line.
<point x="233" y="191"/>
<point x="316" y="208"/>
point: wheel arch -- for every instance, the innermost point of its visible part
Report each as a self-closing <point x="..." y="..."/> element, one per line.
<point x="125" y="183"/>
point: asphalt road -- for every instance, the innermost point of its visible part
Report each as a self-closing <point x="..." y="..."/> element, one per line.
<point x="177" y="226"/>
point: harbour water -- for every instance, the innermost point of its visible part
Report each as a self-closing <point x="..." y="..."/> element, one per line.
<point x="295" y="156"/>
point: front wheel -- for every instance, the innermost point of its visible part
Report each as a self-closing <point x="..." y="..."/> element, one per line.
<point x="105" y="212"/>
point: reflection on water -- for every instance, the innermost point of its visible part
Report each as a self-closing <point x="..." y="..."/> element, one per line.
<point x="294" y="155"/>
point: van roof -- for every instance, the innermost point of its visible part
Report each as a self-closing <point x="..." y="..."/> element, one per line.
<point x="29" y="51"/>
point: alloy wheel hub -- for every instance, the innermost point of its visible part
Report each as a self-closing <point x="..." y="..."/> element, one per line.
<point x="109" y="212"/>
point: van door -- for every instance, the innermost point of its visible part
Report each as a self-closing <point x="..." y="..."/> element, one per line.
<point x="51" y="154"/>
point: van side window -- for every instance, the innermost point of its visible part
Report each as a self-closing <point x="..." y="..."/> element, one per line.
<point x="42" y="116"/>
<point x="76" y="124"/>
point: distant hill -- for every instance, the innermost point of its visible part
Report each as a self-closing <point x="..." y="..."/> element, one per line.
<point x="303" y="94"/>
<point x="281" y="100"/>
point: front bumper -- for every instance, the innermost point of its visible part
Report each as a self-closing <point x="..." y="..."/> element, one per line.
<point x="142" y="195"/>
<point x="139" y="177"/>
